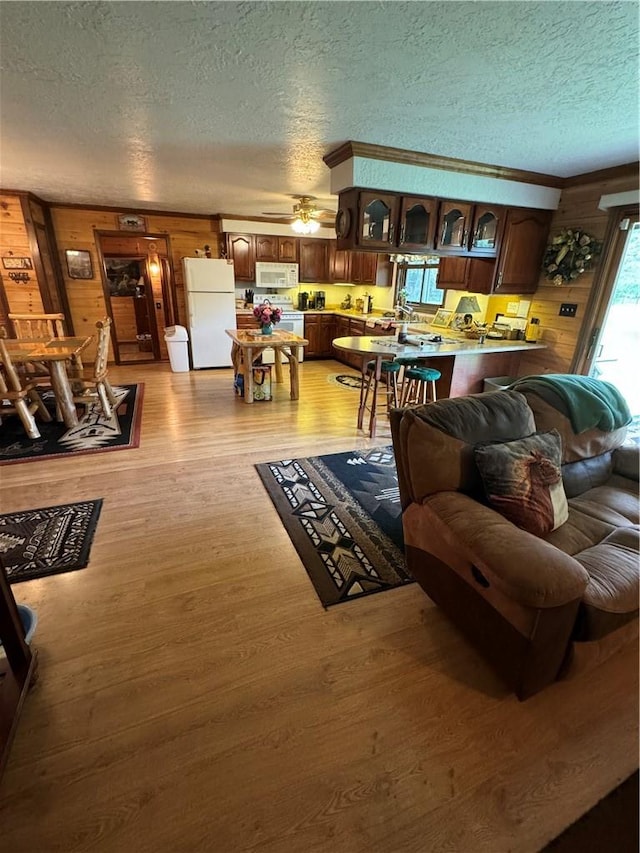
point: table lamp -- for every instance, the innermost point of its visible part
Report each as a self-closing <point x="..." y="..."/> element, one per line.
<point x="467" y="306"/>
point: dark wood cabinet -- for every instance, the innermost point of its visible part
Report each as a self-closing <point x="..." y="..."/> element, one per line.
<point x="454" y="221"/>
<point x="288" y="250"/>
<point x="522" y="250"/>
<point x="266" y="247"/>
<point x="353" y="267"/>
<point x="327" y="334"/>
<point x="473" y="274"/>
<point x="381" y="221"/>
<point x="384" y="221"/>
<point x="486" y="231"/>
<point x="417" y="223"/>
<point x="319" y="330"/>
<point x="241" y="250"/>
<point x="517" y="269"/>
<point x="314" y="260"/>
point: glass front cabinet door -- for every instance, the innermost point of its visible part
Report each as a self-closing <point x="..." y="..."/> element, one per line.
<point x="485" y="234"/>
<point x="453" y="226"/>
<point x="417" y="223"/>
<point x="378" y="215"/>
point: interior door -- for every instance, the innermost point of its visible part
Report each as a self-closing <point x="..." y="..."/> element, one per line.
<point x="131" y="307"/>
<point x="615" y="334"/>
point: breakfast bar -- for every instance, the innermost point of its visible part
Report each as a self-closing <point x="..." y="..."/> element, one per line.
<point x="464" y="363"/>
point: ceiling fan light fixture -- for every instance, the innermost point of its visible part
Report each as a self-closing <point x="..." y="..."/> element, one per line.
<point x="304" y="225"/>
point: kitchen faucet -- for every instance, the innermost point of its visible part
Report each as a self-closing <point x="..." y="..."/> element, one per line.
<point x="404" y="309"/>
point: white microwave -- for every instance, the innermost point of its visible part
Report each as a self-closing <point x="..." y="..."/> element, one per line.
<point x="276" y="275"/>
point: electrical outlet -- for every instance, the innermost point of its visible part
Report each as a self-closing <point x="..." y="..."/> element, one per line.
<point x="568" y="309"/>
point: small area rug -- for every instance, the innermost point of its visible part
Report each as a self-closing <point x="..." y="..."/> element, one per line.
<point x="94" y="433"/>
<point x="342" y="512"/>
<point x="353" y="381"/>
<point x="47" y="541"/>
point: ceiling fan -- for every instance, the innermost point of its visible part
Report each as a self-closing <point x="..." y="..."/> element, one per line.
<point x="306" y="217"/>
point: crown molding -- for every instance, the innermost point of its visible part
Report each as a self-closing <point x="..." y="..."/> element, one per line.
<point x="624" y="171"/>
<point x="434" y="161"/>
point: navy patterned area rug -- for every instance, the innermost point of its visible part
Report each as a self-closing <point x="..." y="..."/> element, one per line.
<point x="342" y="512"/>
<point x="94" y="433"/>
<point x="47" y="541"/>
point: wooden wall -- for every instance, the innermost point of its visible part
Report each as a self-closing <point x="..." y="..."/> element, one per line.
<point x="14" y="240"/>
<point x="75" y="228"/>
<point x="578" y="208"/>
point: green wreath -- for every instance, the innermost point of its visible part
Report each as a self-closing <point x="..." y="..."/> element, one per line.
<point x="569" y="254"/>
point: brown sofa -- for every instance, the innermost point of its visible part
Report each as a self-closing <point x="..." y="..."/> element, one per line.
<point x="539" y="608"/>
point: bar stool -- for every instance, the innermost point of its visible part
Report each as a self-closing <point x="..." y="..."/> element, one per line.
<point x="389" y="375"/>
<point x="415" y="385"/>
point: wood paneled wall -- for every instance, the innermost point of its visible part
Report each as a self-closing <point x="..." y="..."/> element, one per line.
<point x="578" y="208"/>
<point x="75" y="228"/>
<point x="19" y="298"/>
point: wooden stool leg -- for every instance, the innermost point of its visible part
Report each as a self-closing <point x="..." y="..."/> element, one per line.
<point x="365" y="397"/>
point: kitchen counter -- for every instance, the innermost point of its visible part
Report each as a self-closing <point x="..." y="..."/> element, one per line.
<point x="464" y="363"/>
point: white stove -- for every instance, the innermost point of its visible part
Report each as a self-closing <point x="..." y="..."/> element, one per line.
<point x="291" y="320"/>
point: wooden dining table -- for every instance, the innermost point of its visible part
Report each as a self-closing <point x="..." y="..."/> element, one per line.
<point x="56" y="354"/>
<point x="249" y="344"/>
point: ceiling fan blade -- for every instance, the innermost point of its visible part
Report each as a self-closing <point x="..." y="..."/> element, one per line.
<point x="274" y="213"/>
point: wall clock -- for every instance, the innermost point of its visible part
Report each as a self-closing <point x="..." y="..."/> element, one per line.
<point x="343" y="222"/>
<point x="132" y="222"/>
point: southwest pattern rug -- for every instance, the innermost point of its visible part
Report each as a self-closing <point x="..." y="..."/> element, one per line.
<point x="47" y="541"/>
<point x="94" y="433"/>
<point x="342" y="512"/>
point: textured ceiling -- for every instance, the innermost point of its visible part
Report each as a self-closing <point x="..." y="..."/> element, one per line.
<point x="228" y="107"/>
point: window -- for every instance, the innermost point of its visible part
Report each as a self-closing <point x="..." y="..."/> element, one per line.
<point x="420" y="282"/>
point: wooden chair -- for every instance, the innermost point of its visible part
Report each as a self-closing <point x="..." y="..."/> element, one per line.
<point x="19" y="395"/>
<point x="92" y="384"/>
<point x="33" y="326"/>
<point x="38" y="325"/>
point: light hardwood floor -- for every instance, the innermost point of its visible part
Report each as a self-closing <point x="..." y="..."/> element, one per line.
<point x="195" y="696"/>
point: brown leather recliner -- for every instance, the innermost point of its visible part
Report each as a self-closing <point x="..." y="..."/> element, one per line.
<point x="537" y="607"/>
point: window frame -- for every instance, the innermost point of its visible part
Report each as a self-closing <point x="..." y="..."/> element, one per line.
<point x="424" y="307"/>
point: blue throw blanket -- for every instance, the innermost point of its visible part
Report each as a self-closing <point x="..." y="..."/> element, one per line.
<point x="587" y="402"/>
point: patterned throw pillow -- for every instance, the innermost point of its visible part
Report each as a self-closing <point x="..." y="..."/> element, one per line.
<point x="523" y="480"/>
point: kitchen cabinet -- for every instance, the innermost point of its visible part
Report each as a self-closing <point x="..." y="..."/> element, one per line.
<point x="517" y="268"/>
<point x="417" y="223"/>
<point x="486" y="231"/>
<point x="384" y="221"/>
<point x="269" y="247"/>
<point x="241" y="250"/>
<point x="314" y="260"/>
<point x="353" y="267"/>
<point x="319" y="330"/>
<point x="454" y="221"/>
<point x="473" y="274"/>
<point x="523" y="245"/>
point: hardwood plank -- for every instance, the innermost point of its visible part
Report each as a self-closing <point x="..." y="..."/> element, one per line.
<point x="195" y="696"/>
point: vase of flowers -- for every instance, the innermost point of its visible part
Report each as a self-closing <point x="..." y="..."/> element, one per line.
<point x="267" y="315"/>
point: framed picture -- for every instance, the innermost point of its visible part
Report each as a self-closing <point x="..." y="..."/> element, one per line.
<point x="442" y="318"/>
<point x="79" y="263"/>
<point x="132" y="222"/>
<point x="17" y="263"/>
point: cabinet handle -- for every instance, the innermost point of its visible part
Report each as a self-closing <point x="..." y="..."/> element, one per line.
<point x="444" y="234"/>
<point x="474" y="239"/>
<point x="499" y="279"/>
<point x="402" y="233"/>
<point x="391" y="229"/>
<point x="464" y="236"/>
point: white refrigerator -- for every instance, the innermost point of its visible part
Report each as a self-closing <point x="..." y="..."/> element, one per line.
<point x="211" y="307"/>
